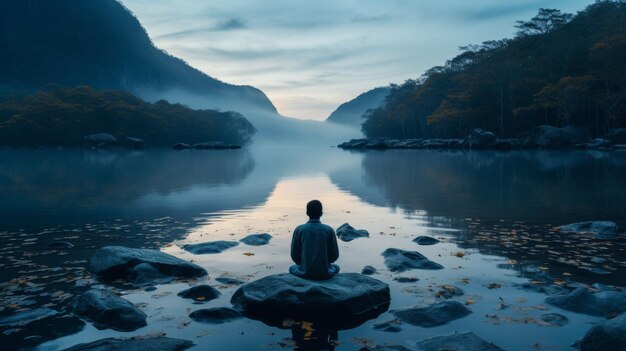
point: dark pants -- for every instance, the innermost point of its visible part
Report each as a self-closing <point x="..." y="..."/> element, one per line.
<point x="295" y="270"/>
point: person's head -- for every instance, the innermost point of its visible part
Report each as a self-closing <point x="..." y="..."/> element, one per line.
<point x="314" y="209"/>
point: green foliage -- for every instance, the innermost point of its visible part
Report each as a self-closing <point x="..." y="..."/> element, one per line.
<point x="62" y="117"/>
<point x="559" y="70"/>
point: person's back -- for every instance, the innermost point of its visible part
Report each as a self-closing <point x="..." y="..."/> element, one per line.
<point x="314" y="247"/>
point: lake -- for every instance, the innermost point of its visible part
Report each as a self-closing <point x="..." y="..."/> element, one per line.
<point x="495" y="213"/>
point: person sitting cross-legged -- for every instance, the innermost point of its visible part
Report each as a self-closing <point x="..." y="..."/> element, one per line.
<point x="314" y="247"/>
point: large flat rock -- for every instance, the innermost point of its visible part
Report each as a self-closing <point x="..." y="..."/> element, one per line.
<point x="344" y="298"/>
<point x="107" y="311"/>
<point x="160" y="343"/>
<point x="466" y="341"/>
<point x="400" y="260"/>
<point x="140" y="265"/>
<point x="212" y="247"/>
<point x="434" y="315"/>
<point x="581" y="300"/>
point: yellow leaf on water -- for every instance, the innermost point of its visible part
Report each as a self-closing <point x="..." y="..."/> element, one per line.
<point x="248" y="253"/>
<point x="469" y="301"/>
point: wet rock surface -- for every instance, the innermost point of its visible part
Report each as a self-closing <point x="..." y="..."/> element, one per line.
<point x="466" y="341"/>
<point x="400" y="260"/>
<point x="347" y="233"/>
<point x="213" y="247"/>
<point x="425" y="240"/>
<point x="118" y="262"/>
<point x="229" y="281"/>
<point x="480" y="139"/>
<point x="554" y="319"/>
<point x="344" y="298"/>
<point x="31" y="332"/>
<point x="599" y="229"/>
<point x="217" y="315"/>
<point x="434" y="315"/>
<point x="200" y="293"/>
<point x="392" y="326"/>
<point x="108" y="311"/>
<point x="368" y="270"/>
<point x="160" y="343"/>
<point x="581" y="300"/>
<point x="607" y="335"/>
<point x="257" y="239"/>
<point x="27" y="317"/>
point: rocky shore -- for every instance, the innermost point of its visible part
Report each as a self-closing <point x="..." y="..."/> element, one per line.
<point x="543" y="137"/>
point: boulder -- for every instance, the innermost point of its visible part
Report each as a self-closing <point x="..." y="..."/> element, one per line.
<point x="425" y="240"/>
<point x="345" y="299"/>
<point x="146" y="274"/>
<point x="133" y="143"/>
<point x="399" y="260"/>
<point x="108" y="311"/>
<point x="581" y="300"/>
<point x="100" y="140"/>
<point x="434" y="315"/>
<point x="546" y="136"/>
<point x="213" y="247"/>
<point x="479" y="139"/>
<point x="257" y="239"/>
<point x="216" y="315"/>
<point x="229" y="281"/>
<point x="200" y="293"/>
<point x="368" y="270"/>
<point x="160" y="343"/>
<point x="618" y="136"/>
<point x="466" y="341"/>
<point x="347" y="233"/>
<point x="599" y="229"/>
<point x="607" y="335"/>
<point x="118" y="262"/>
<point x="181" y="146"/>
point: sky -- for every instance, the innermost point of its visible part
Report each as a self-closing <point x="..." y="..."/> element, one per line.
<point x="310" y="56"/>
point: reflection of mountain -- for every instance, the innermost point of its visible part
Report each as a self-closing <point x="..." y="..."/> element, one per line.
<point x="528" y="186"/>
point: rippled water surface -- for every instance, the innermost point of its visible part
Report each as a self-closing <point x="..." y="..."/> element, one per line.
<point x="495" y="213"/>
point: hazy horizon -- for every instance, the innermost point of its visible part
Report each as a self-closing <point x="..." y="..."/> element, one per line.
<point x="311" y="57"/>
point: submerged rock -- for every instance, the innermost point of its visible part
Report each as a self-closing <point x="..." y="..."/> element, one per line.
<point x="217" y="315"/>
<point x="215" y="145"/>
<point x="425" y="240"/>
<point x="466" y="341"/>
<point x="448" y="291"/>
<point x="107" y="311"/>
<point x="406" y="279"/>
<point x="32" y="332"/>
<point x="23" y="318"/>
<point x="213" y="247"/>
<point x="181" y="146"/>
<point x="480" y="139"/>
<point x="342" y="299"/>
<point x="160" y="343"/>
<point x="391" y="326"/>
<point x="229" y="281"/>
<point x="118" y="262"/>
<point x="607" y="335"/>
<point x="100" y="140"/>
<point x="368" y="270"/>
<point x="600" y="229"/>
<point x="257" y="239"/>
<point x="347" y="233"/>
<point x="434" y="315"/>
<point x="554" y="319"/>
<point x="581" y="300"/>
<point x="200" y="293"/>
<point x="399" y="260"/>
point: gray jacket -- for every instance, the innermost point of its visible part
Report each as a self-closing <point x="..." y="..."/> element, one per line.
<point x="314" y="248"/>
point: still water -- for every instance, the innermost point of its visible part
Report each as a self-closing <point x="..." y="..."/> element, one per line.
<point x="495" y="213"/>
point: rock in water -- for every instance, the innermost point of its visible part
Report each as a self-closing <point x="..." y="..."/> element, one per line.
<point x="434" y="315"/>
<point x="607" y="335"/>
<point x="118" y="262"/>
<point x="547" y="136"/>
<point x="27" y="317"/>
<point x="347" y="233"/>
<point x="344" y="299"/>
<point x="229" y="281"/>
<point x="554" y="319"/>
<point x="160" y="343"/>
<point x="107" y="311"/>
<point x="479" y="139"/>
<point x="388" y="326"/>
<point x="581" y="300"/>
<point x="368" y="270"/>
<point x="200" y="293"/>
<point x="467" y="341"/>
<point x="600" y="229"/>
<point x="213" y="247"/>
<point x="425" y="240"/>
<point x="399" y="260"/>
<point x="100" y="140"/>
<point x="181" y="146"/>
<point x="257" y="239"/>
<point x="217" y="315"/>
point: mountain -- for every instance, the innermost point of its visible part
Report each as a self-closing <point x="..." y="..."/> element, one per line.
<point x="351" y="112"/>
<point x="559" y="70"/>
<point x="100" y="43"/>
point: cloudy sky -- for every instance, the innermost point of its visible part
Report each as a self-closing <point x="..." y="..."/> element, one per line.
<point x="309" y="56"/>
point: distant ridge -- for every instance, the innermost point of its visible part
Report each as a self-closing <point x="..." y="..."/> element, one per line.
<point x="351" y="112"/>
<point x="101" y="44"/>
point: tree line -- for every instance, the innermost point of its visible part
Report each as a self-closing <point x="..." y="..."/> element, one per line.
<point x="558" y="70"/>
<point x="63" y="116"/>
